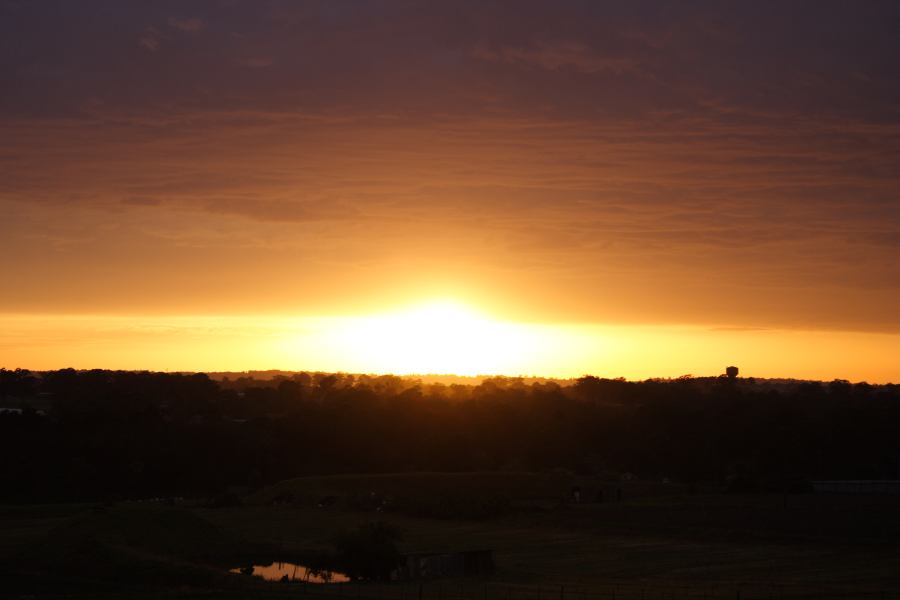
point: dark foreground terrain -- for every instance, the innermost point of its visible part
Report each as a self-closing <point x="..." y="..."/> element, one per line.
<point x="644" y="540"/>
<point x="147" y="484"/>
<point x="107" y="435"/>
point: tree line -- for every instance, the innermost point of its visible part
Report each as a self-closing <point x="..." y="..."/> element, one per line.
<point x="117" y="434"/>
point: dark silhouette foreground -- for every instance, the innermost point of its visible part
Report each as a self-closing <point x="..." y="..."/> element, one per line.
<point x="108" y="435"/>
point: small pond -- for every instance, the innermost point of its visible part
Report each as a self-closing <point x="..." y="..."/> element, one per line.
<point x="285" y="571"/>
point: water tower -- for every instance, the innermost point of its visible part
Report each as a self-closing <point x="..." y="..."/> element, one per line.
<point x="731" y="372"/>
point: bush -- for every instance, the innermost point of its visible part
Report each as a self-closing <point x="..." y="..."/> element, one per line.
<point x="369" y="552"/>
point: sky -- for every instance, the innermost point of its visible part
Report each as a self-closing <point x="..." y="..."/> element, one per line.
<point x="627" y="189"/>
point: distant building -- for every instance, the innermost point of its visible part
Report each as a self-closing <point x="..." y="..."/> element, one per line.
<point x="731" y="372"/>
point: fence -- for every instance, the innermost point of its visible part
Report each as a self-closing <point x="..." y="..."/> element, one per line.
<point x="624" y="591"/>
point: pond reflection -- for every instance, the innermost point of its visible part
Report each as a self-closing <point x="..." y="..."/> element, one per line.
<point x="285" y="571"/>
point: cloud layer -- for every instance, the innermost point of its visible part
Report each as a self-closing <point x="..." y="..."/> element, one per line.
<point x="721" y="163"/>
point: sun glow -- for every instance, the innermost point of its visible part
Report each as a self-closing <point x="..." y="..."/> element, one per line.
<point x="438" y="337"/>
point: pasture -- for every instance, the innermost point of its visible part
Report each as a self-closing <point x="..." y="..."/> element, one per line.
<point x="644" y="539"/>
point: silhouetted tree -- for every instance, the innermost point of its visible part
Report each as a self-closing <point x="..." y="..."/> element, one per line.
<point x="369" y="552"/>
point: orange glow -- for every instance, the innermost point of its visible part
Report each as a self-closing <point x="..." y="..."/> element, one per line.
<point x="291" y="185"/>
<point x="448" y="337"/>
<point x="438" y="337"/>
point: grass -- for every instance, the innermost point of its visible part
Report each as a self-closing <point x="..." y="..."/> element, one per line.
<point x="524" y="490"/>
<point x="659" y="536"/>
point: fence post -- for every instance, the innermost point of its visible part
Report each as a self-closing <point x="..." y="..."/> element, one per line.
<point x="562" y="592"/>
<point x="420" y="592"/>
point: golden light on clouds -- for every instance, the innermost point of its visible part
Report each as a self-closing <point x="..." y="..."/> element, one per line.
<point x="585" y="202"/>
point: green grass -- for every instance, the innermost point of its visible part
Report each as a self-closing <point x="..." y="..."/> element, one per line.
<point x="553" y="550"/>
<point x="524" y="490"/>
<point x="659" y="536"/>
<point x="22" y="525"/>
<point x="522" y="486"/>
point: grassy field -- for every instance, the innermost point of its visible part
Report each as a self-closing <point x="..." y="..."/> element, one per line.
<point x="657" y="540"/>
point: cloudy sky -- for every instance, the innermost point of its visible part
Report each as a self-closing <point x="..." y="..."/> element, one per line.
<point x="729" y="167"/>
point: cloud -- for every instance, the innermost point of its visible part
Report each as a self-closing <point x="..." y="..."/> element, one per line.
<point x="255" y="62"/>
<point x="190" y="25"/>
<point x="149" y="39"/>
<point x="721" y="155"/>
<point x="556" y="56"/>
<point x="141" y="201"/>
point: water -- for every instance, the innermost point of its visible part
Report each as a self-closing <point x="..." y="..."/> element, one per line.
<point x="284" y="571"/>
